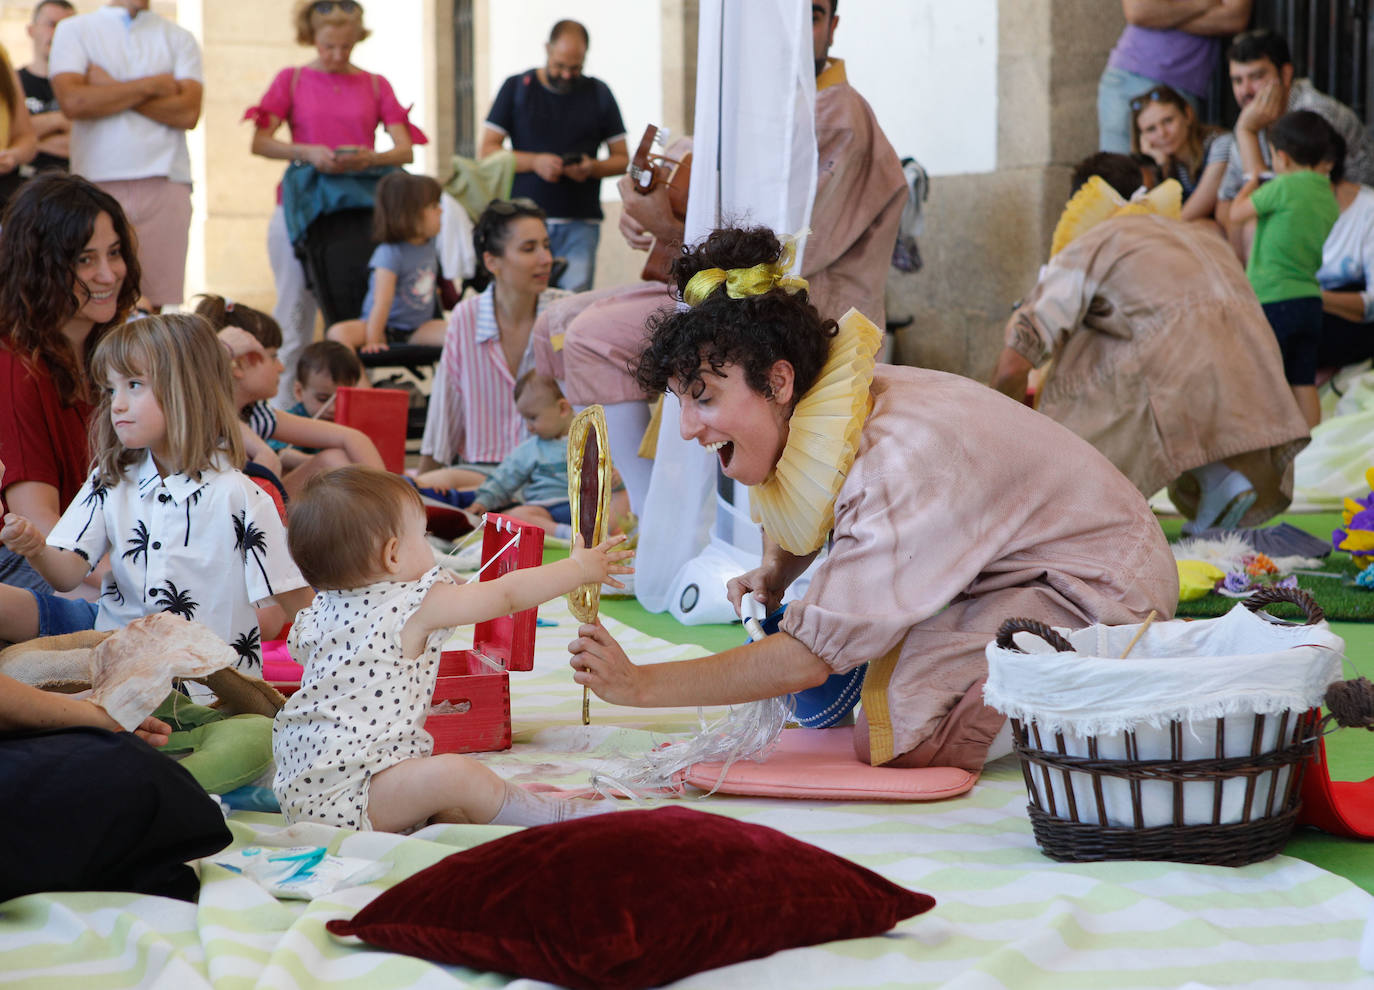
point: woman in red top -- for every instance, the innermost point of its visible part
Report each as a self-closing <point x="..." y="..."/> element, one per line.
<point x="69" y="274"/>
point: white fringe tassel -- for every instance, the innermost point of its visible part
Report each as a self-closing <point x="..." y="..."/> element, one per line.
<point x="745" y="732"/>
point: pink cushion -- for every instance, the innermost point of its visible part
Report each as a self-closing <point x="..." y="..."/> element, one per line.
<point x="820" y="763"/>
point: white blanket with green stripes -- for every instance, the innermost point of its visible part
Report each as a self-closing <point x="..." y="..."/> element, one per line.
<point x="1006" y="917"/>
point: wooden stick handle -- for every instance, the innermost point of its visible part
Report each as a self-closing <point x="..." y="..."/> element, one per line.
<point x="1139" y="632"/>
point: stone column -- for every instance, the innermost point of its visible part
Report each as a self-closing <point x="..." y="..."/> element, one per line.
<point x="987" y="235"/>
<point x="243" y="46"/>
<point x="616" y="264"/>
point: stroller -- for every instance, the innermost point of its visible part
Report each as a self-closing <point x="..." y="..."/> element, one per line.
<point x="329" y="219"/>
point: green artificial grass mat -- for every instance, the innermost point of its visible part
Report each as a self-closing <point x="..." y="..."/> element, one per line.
<point x="716" y="637"/>
<point x="1319" y="524"/>
<point x="1350" y="752"/>
<point x="1338" y="599"/>
<point x="1338" y="596"/>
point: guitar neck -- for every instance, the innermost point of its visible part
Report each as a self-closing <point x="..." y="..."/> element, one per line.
<point x="641" y="169"/>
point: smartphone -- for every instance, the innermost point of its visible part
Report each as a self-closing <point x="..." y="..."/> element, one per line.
<point x="347" y="149"/>
<point x="572" y="158"/>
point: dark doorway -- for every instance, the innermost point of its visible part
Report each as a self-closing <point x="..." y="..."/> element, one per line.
<point x="1331" y="44"/>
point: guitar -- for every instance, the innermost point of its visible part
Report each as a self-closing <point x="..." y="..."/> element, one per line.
<point x="648" y="171"/>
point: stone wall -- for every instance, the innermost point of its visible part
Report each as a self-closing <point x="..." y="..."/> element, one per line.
<point x="987" y="235"/>
<point x="244" y="45"/>
<point x="616" y="263"/>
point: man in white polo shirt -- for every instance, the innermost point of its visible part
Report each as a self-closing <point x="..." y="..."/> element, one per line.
<point x="131" y="83"/>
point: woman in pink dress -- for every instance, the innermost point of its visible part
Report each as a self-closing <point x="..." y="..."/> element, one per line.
<point x="944" y="508"/>
<point x="332" y="109"/>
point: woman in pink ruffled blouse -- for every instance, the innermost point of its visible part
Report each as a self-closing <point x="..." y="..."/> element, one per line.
<point x="332" y="109"/>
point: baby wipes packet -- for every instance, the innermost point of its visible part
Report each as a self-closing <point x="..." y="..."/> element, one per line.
<point x="299" y="872"/>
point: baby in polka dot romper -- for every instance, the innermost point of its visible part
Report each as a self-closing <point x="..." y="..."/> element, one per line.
<point x="350" y="745"/>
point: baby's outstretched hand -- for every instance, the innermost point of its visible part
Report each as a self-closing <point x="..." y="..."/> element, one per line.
<point x="598" y="563"/>
<point x="22" y="536"/>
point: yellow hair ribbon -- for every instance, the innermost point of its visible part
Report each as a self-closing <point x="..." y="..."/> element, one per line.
<point x="741" y="282"/>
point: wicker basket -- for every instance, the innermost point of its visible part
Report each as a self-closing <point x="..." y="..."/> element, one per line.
<point x="1137" y="794"/>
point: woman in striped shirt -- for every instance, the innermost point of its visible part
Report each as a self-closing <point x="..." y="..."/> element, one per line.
<point x="472" y="422"/>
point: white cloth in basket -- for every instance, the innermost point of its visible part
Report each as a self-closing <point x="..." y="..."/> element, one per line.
<point x="1238" y="666"/>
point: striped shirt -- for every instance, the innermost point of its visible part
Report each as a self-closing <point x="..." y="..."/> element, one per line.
<point x="261" y="419"/>
<point x="472" y="415"/>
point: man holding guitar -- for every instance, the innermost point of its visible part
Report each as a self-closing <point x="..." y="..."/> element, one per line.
<point x="587" y="342"/>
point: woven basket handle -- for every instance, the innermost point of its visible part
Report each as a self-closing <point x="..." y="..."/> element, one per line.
<point x="1298" y="597"/>
<point x="1351" y="704"/>
<point x="1011" y="627"/>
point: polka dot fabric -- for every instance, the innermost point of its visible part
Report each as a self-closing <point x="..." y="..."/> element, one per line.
<point x="361" y="706"/>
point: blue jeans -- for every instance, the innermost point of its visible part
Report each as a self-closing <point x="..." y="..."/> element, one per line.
<point x="1115" y="91"/>
<point x="58" y="616"/>
<point x="575" y="241"/>
<point x="19" y="573"/>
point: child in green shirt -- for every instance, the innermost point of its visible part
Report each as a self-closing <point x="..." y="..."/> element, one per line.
<point x="1295" y="212"/>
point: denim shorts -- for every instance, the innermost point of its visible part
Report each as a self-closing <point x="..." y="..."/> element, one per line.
<point x="57" y="615"/>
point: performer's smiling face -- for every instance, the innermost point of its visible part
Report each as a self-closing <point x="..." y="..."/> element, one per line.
<point x="747" y="430"/>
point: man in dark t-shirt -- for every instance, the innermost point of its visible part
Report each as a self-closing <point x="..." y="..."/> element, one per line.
<point x="557" y="119"/>
<point x="53" y="139"/>
<point x="49" y="123"/>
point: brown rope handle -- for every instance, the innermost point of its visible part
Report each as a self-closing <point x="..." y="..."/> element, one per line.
<point x="1351" y="704"/>
<point x="1011" y="627"/>
<point x="1295" y="596"/>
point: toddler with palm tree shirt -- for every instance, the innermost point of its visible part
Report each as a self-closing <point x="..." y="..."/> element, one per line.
<point x="187" y="532"/>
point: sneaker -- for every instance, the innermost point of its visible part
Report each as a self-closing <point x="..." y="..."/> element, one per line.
<point x="1222" y="506"/>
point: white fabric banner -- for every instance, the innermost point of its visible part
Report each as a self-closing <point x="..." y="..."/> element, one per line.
<point x="753" y="162"/>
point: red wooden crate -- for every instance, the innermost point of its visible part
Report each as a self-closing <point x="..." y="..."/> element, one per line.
<point x="479" y="676"/>
<point x="465" y="678"/>
<point x="381" y="413"/>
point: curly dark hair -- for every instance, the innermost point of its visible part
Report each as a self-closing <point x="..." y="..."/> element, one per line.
<point x="490" y="232"/>
<point x="44" y="230"/>
<point x="753" y="333"/>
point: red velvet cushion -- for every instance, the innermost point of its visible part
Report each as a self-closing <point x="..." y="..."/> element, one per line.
<point x="630" y="899"/>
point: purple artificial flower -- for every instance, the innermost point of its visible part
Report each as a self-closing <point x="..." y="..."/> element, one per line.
<point x="1235" y="583"/>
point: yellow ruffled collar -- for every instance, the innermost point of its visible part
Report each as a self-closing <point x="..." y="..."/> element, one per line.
<point x="796" y="504"/>
<point x="1097" y="201"/>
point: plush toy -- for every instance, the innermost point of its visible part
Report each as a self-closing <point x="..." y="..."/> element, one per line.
<point x="1357" y="537"/>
